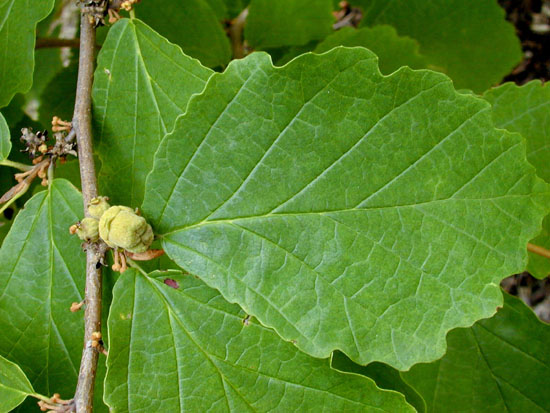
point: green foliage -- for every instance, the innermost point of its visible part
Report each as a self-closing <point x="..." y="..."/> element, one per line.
<point x="311" y="188"/>
<point x="208" y="355"/>
<point x="18" y="21"/>
<point x="287" y="22"/>
<point x="393" y="51"/>
<point x="325" y="225"/>
<point x="191" y="24"/>
<point x="468" y="39"/>
<point x="5" y="142"/>
<point x="136" y="104"/>
<point x="500" y="364"/>
<point x="14" y="385"/>
<point x="525" y="110"/>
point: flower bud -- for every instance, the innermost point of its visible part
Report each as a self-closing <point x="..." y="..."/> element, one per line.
<point x="121" y="227"/>
<point x="87" y="230"/>
<point x="98" y="206"/>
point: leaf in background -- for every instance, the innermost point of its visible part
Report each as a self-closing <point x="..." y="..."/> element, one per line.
<point x="470" y="40"/>
<point x="14" y="385"/>
<point x="142" y="83"/>
<point x="57" y="98"/>
<point x="346" y="209"/>
<point x="5" y="140"/>
<point x="42" y="271"/>
<point x="287" y="22"/>
<point x="48" y="65"/>
<point x="392" y="50"/>
<point x="499" y="365"/>
<point x="525" y="110"/>
<point x="385" y="377"/>
<point x="234" y="7"/>
<point x="191" y="24"/>
<point x="18" y="21"/>
<point x="205" y="355"/>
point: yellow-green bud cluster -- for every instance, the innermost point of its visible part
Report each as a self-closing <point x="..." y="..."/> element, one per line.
<point x="88" y="230"/>
<point x="121" y="227"/>
<point x="98" y="206"/>
<point x="118" y="226"/>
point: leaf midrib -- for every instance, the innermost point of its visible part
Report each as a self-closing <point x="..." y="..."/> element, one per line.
<point x="336" y="211"/>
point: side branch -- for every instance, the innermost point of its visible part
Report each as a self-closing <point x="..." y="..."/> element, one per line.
<point x="45" y="42"/>
<point x="82" y="125"/>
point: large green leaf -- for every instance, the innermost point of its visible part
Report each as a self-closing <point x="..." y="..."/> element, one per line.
<point x="14" y="385"/>
<point x="5" y="142"/>
<point x="206" y="356"/>
<point x="469" y="40"/>
<point x="346" y="209"/>
<point x="287" y="22"/>
<point x="191" y="24"/>
<point x="42" y="271"/>
<point x="142" y="83"/>
<point x="525" y="110"/>
<point x="393" y="51"/>
<point x="17" y="36"/>
<point x="498" y="365"/>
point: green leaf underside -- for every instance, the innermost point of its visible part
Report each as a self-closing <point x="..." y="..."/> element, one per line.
<point x="345" y="209"/>
<point x="14" y="385"/>
<point x="42" y="270"/>
<point x="393" y="51"/>
<point x="470" y="40"/>
<point x="191" y="24"/>
<point x="142" y="83"/>
<point x="18" y="21"/>
<point x="499" y="365"/>
<point x="385" y="377"/>
<point x="525" y="110"/>
<point x="287" y="22"/>
<point x="5" y="142"/>
<point x="203" y="357"/>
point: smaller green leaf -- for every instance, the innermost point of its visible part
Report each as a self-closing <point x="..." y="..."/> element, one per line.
<point x="501" y="364"/>
<point x="385" y="377"/>
<point x="14" y="385"/>
<point x="57" y="98"/>
<point x="191" y="24"/>
<point x="141" y="85"/>
<point x="177" y="345"/>
<point x="287" y="22"/>
<point x="470" y="40"/>
<point x="5" y="142"/>
<point x="18" y="21"/>
<point x="42" y="271"/>
<point x="525" y="109"/>
<point x="393" y="51"/>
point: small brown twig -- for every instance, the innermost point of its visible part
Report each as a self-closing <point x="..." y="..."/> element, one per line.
<point x="56" y="404"/>
<point x="53" y="42"/>
<point x="235" y="31"/>
<point x="538" y="250"/>
<point x="144" y="256"/>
